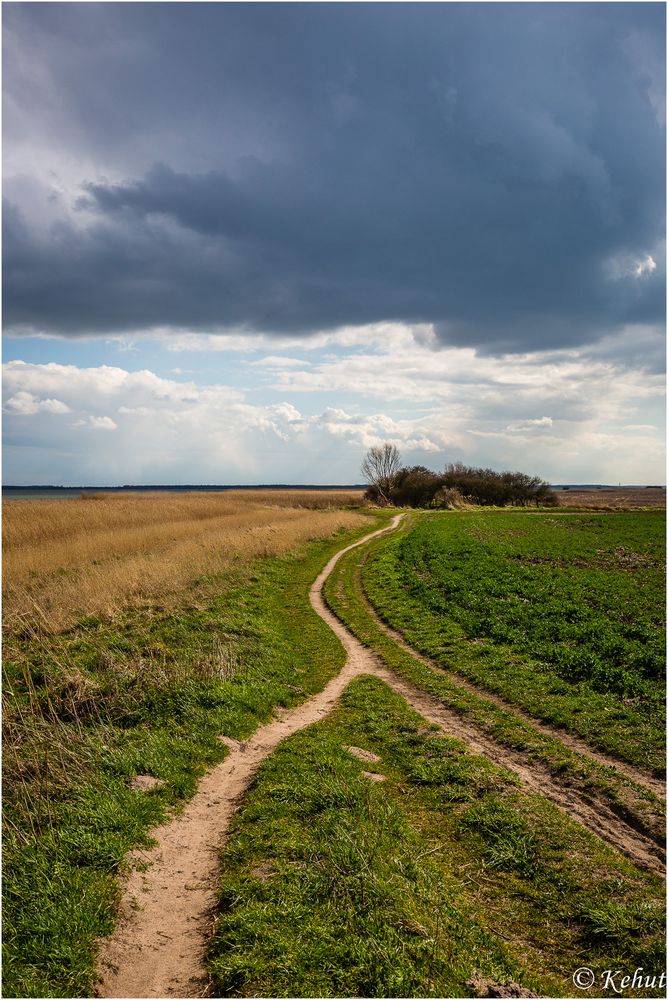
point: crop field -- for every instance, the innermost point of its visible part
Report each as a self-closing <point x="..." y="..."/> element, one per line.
<point x="562" y="615"/>
<point x="425" y="763"/>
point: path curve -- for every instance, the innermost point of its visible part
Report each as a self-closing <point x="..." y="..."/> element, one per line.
<point x="168" y="905"/>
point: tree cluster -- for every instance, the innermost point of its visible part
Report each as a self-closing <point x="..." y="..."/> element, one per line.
<point x="416" y="486"/>
<point x="499" y="489"/>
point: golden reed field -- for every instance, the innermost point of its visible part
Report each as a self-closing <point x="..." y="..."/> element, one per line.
<point x="68" y="558"/>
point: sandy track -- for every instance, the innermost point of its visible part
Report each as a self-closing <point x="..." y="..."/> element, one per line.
<point x="590" y="812"/>
<point x="168" y="908"/>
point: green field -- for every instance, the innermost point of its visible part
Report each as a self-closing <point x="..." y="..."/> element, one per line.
<point x="562" y="614"/>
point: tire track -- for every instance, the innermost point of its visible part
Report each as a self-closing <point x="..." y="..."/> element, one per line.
<point x="167" y="912"/>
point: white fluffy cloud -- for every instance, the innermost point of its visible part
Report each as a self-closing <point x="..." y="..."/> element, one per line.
<point x="171" y="431"/>
<point x="97" y="423"/>
<point x="565" y="415"/>
<point x="628" y="265"/>
<point x="475" y="392"/>
<point x="25" y="403"/>
<point x="539" y="423"/>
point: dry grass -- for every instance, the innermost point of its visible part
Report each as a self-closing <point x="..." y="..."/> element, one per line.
<point x="67" y="559"/>
<point x="619" y="499"/>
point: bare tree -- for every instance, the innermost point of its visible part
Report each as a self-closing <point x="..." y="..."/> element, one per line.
<point x="379" y="468"/>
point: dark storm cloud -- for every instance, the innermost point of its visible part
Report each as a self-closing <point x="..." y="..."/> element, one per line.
<point x="497" y="170"/>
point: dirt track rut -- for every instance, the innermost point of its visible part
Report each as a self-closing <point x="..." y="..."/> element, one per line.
<point x="169" y="897"/>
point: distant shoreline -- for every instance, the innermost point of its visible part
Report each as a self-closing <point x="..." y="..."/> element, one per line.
<point x="203" y="486"/>
<point x="72" y="492"/>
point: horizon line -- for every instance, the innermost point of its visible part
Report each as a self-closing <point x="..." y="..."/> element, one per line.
<point x="285" y="486"/>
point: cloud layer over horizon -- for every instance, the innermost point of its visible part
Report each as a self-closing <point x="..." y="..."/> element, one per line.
<point x="569" y="411"/>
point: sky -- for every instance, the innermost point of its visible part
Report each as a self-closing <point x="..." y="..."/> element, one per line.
<point x="242" y="243"/>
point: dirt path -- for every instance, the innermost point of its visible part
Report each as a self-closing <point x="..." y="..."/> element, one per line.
<point x="639" y="775"/>
<point x="168" y="906"/>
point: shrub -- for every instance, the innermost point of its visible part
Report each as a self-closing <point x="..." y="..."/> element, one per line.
<point x="458" y="486"/>
<point x="499" y="489"/>
<point x="415" y="487"/>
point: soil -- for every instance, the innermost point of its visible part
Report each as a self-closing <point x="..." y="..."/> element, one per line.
<point x="367" y="755"/>
<point x="490" y="988"/>
<point x="167" y="914"/>
<point x="145" y="782"/>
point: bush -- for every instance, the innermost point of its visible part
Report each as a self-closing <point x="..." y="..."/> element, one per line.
<point x="499" y="489"/>
<point x="458" y="485"/>
<point x="415" y="487"/>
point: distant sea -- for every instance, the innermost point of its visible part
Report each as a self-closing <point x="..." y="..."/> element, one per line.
<point x="73" y="492"/>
